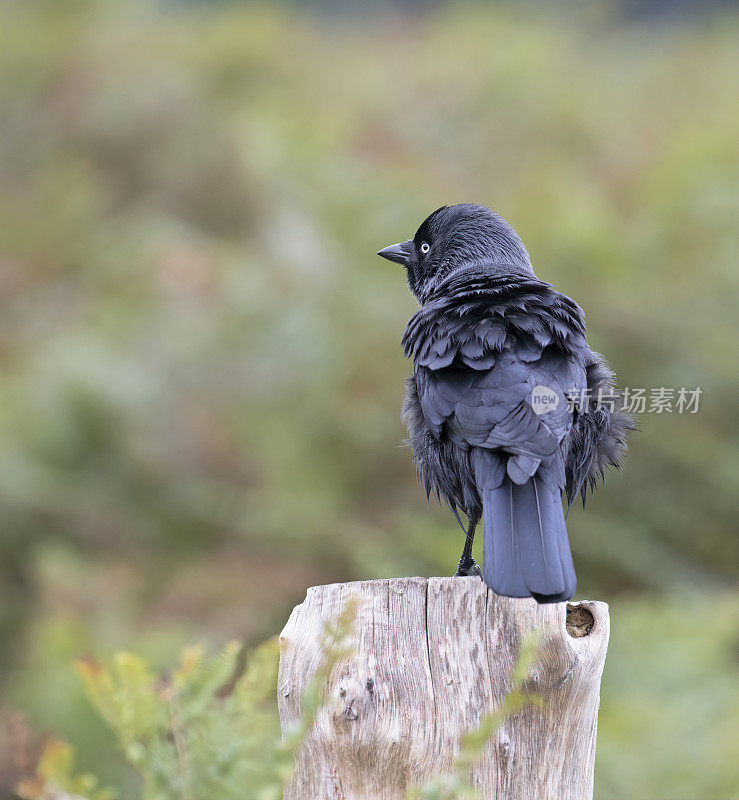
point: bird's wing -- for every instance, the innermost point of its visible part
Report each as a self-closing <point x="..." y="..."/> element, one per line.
<point x="493" y="409"/>
<point x="480" y="364"/>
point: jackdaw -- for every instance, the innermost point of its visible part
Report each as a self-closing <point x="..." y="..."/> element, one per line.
<point x="507" y="406"/>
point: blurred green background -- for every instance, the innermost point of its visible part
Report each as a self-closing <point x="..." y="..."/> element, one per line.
<point x="199" y="406"/>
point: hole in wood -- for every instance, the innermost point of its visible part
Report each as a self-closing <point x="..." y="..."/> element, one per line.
<point x="579" y="622"/>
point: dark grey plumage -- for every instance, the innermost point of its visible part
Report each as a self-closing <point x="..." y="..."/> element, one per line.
<point x="487" y="333"/>
<point x="598" y="438"/>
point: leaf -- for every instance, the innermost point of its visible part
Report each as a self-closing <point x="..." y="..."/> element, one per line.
<point x="55" y="778"/>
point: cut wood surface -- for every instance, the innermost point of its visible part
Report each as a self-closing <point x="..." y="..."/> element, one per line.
<point x="430" y="658"/>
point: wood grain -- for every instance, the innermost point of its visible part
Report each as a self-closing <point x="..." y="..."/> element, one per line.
<point x="430" y="657"/>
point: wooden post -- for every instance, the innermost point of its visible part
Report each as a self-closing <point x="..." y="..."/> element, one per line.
<point x="430" y="658"/>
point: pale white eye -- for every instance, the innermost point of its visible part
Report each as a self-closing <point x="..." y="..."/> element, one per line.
<point x="425" y="247"/>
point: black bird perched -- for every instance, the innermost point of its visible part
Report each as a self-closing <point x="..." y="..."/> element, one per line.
<point x="494" y="407"/>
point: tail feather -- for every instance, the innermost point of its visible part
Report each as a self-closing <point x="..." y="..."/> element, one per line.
<point x="501" y="567"/>
<point x="526" y="550"/>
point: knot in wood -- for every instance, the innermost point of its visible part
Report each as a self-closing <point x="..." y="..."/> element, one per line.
<point x="580" y="621"/>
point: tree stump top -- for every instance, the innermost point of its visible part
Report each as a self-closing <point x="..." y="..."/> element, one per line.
<point x="430" y="658"/>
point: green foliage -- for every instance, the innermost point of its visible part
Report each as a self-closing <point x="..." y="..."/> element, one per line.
<point x="55" y="775"/>
<point x="206" y="730"/>
<point x="201" y="370"/>
<point x="200" y="346"/>
<point x="668" y="721"/>
<point x="210" y="728"/>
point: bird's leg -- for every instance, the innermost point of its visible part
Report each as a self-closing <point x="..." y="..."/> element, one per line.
<point x="467" y="565"/>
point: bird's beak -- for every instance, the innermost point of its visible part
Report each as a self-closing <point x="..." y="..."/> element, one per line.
<point x="399" y="253"/>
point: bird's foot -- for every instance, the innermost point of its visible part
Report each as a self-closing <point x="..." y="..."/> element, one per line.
<point x="467" y="567"/>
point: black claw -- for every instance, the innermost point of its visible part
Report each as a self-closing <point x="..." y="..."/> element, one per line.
<point x="467" y="567"/>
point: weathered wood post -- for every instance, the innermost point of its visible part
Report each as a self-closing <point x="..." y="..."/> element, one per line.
<point x="430" y="658"/>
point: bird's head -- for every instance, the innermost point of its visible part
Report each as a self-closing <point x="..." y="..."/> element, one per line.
<point x="456" y="237"/>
